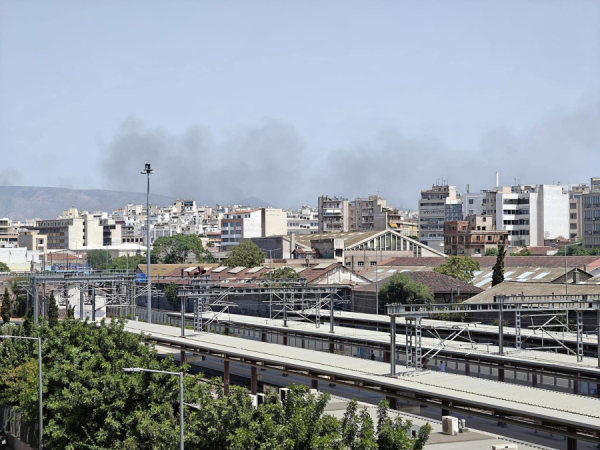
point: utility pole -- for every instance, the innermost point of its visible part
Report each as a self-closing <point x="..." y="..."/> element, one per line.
<point x="147" y="171"/>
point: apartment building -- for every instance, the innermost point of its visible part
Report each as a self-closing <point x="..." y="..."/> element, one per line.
<point x="32" y="240"/>
<point x="72" y="233"/>
<point x="473" y="237"/>
<point x="436" y="206"/>
<point x="303" y="221"/>
<point x="8" y="235"/>
<point x="239" y="225"/>
<point x="591" y="215"/>
<point x="530" y="214"/>
<point x="576" y="194"/>
<point x="362" y="214"/>
<point x="333" y="214"/>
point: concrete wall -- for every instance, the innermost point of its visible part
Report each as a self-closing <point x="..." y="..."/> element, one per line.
<point x="554" y="207"/>
<point x="274" y="222"/>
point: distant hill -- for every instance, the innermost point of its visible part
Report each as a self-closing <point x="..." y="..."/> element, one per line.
<point x="26" y="202"/>
<point x="253" y="202"/>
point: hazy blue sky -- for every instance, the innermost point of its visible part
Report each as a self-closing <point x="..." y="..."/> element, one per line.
<point x="286" y="100"/>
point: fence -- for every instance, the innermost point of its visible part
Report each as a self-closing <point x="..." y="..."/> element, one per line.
<point x="13" y="423"/>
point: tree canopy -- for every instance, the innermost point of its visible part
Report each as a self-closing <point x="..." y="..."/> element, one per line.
<point x="98" y="259"/>
<point x="171" y="293"/>
<point x="491" y="252"/>
<point x="52" y="311"/>
<point x="576" y="249"/>
<point x="6" y="307"/>
<point x="246" y="254"/>
<point x="4" y="267"/>
<point x="90" y="402"/>
<point x="176" y="249"/>
<point x="401" y="288"/>
<point x="462" y="269"/>
<point x="498" y="269"/>
<point x="281" y="274"/>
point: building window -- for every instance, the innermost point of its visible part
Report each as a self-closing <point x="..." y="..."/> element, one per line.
<point x="360" y="263"/>
<point x="573" y="206"/>
<point x="373" y="263"/>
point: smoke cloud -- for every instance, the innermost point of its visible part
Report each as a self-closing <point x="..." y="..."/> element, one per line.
<point x="10" y="177"/>
<point x="272" y="161"/>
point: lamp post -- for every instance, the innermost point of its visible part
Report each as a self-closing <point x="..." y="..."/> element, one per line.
<point x="147" y="171"/>
<point x="180" y="375"/>
<point x="41" y="418"/>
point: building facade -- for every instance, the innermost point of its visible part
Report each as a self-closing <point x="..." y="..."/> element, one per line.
<point x="303" y="221"/>
<point x="362" y="214"/>
<point x="473" y="237"/>
<point x="72" y="233"/>
<point x="436" y="206"/>
<point x="333" y="214"/>
<point x="576" y="194"/>
<point x="591" y="216"/>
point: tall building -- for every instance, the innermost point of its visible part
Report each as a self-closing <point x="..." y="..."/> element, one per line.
<point x="530" y="214"/>
<point x="362" y="214"/>
<point x="576" y="194"/>
<point x="72" y="233"/>
<point x="333" y="214"/>
<point x="239" y="225"/>
<point x="591" y="215"/>
<point x="436" y="206"/>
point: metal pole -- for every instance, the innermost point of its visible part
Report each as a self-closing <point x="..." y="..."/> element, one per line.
<point x="183" y="316"/>
<point x="93" y="304"/>
<point x="566" y="283"/>
<point x="393" y="345"/>
<point x="501" y="328"/>
<point x="36" y="305"/>
<point x="147" y="170"/>
<point x="331" y="313"/>
<point x="598" y="324"/>
<point x="376" y="283"/>
<point x="181" y="411"/>
<point x="41" y="413"/>
<point x="81" y="302"/>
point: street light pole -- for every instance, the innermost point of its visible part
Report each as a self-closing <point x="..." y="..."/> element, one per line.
<point x="147" y="170"/>
<point x="180" y="375"/>
<point x="40" y="409"/>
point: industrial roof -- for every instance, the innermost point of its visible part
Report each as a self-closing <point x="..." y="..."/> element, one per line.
<point x="436" y="282"/>
<point x="349" y="238"/>
<point x="509" y="261"/>
<point x="518" y="288"/>
<point x="483" y="278"/>
<point x="540" y="404"/>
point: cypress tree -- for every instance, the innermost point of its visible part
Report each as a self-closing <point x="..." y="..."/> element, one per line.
<point x="6" y="309"/>
<point x="28" y="322"/>
<point x="52" y="311"/>
<point x="498" y="269"/>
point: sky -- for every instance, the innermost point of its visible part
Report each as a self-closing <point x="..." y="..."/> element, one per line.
<point x="286" y="101"/>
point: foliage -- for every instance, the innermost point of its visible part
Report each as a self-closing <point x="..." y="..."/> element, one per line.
<point x="498" y="269"/>
<point x="52" y="311"/>
<point x="208" y="257"/>
<point x="97" y="259"/>
<point x="246" y="254"/>
<point x="6" y="307"/>
<point x="414" y="238"/>
<point x="523" y="251"/>
<point x="281" y="274"/>
<point x="176" y="249"/>
<point x="19" y="297"/>
<point x="401" y="288"/>
<point x="90" y="402"/>
<point x="124" y="262"/>
<point x="4" y="267"/>
<point x="577" y="250"/>
<point x="171" y="293"/>
<point x="491" y="252"/>
<point x="462" y="269"/>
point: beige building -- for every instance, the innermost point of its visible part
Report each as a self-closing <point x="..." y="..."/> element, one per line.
<point x="473" y="237"/>
<point x="591" y="215"/>
<point x="32" y="240"/>
<point x="436" y="206"/>
<point x="72" y="233"/>
<point x="333" y="215"/>
<point x="274" y="222"/>
<point x="576" y="194"/>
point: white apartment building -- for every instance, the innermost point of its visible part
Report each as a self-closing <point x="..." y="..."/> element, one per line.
<point x="239" y="225"/>
<point x="530" y="214"/>
<point x="436" y="206"/>
<point x="72" y="233"/>
<point x="473" y="203"/>
<point x="303" y="221"/>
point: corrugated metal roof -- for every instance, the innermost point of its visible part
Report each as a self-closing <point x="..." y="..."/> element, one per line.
<point x="535" y="288"/>
<point x="220" y="269"/>
<point x="237" y="269"/>
<point x="254" y="269"/>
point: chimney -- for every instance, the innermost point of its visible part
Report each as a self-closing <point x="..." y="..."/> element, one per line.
<point x="497" y="180"/>
<point x="468" y="189"/>
<point x="576" y="276"/>
<point x="292" y="244"/>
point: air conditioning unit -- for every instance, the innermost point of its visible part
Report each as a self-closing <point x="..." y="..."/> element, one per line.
<point x="254" y="400"/>
<point x="260" y="399"/>
<point x="505" y="447"/>
<point x="283" y="393"/>
<point x="450" y="425"/>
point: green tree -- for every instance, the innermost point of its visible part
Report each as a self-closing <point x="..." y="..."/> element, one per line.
<point x="393" y="434"/>
<point x="28" y="324"/>
<point x="498" y="269"/>
<point x="462" y="269"/>
<point x="123" y="262"/>
<point x="176" y="249"/>
<point x="491" y="252"/>
<point x="401" y="288"/>
<point x="52" y="311"/>
<point x="414" y="238"/>
<point x="246" y="254"/>
<point x="207" y="257"/>
<point x="171" y="293"/>
<point x="97" y="259"/>
<point x="281" y="274"/>
<point x="19" y="297"/>
<point x="6" y="307"/>
<point x="523" y="251"/>
<point x="4" y="267"/>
